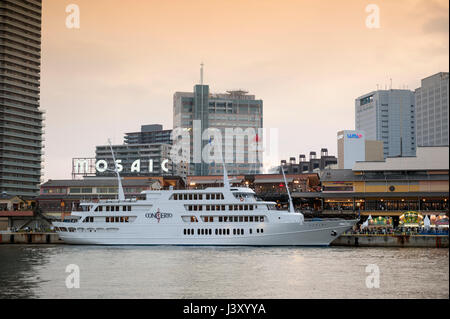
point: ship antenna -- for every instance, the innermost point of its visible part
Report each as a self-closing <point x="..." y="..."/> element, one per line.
<point x="119" y="182"/>
<point x="291" y="206"/>
<point x="226" y="181"/>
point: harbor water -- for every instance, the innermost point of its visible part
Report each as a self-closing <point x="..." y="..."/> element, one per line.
<point x="39" y="271"/>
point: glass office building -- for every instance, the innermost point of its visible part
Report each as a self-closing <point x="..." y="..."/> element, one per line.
<point x="432" y="110"/>
<point x="233" y="109"/>
<point x="388" y="116"/>
<point x="20" y="117"/>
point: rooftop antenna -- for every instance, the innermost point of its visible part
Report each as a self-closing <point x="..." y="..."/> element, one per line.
<point x="119" y="182"/>
<point x="291" y="206"/>
<point x="390" y="87"/>
<point x="201" y="73"/>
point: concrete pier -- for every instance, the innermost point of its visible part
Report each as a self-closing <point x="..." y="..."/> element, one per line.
<point x="30" y="238"/>
<point x="372" y="240"/>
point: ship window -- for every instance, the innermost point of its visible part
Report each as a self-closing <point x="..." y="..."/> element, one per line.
<point x="195" y="196"/>
<point x="129" y="208"/>
<point x="217" y="207"/>
<point x="207" y="196"/>
<point x="251" y="218"/>
<point x="216" y="231"/>
<point x="246" y="218"/>
<point x="241" y="207"/>
<point x="207" y="207"/>
<point x="251" y="207"/>
<point x="256" y="218"/>
<point x="107" y="219"/>
<point x="220" y="231"/>
<point x="245" y="207"/>
<point x="235" y="219"/>
<point x="230" y="207"/>
<point x="234" y="231"/>
<point x="250" y="230"/>
<point x="184" y="231"/>
<point x="210" y="231"/>
<point x="192" y="231"/>
<point x="202" y="232"/>
<point x="241" y="218"/>
<point x="100" y="208"/>
<point x="236" y="207"/>
<point x="117" y="219"/>
<point x="223" y="207"/>
<point x="213" y="207"/>
<point x="190" y="196"/>
<point x="213" y="196"/>
<point x="200" y="196"/>
<point x="195" y="207"/>
<point x="107" y="208"/>
<point x="220" y="218"/>
<point x="200" y="207"/>
<point x="242" y="231"/>
<point x="124" y="208"/>
<point x="175" y="197"/>
<point x="261" y="218"/>
<point x="117" y="208"/>
<point x="230" y="218"/>
<point x="262" y="230"/>
<point x="225" y="218"/>
<point x="121" y="219"/>
<point x="257" y="230"/>
<point x="228" y="231"/>
<point x="211" y="219"/>
<point x="126" y="219"/>
<point x="198" y="231"/>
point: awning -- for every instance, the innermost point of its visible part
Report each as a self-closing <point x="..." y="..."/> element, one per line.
<point x="273" y="180"/>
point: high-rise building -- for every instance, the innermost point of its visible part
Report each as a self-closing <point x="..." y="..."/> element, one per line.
<point x="234" y="109"/>
<point x="20" y="117"/>
<point x="432" y="110"/>
<point x="388" y="116"/>
<point x="149" y="134"/>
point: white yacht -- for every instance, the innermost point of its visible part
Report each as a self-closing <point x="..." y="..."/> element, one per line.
<point x="213" y="216"/>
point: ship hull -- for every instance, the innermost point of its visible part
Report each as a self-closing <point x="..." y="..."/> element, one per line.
<point x="310" y="233"/>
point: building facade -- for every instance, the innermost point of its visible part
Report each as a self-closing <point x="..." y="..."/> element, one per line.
<point x="149" y="134"/>
<point x="390" y="187"/>
<point x="388" y="116"/>
<point x="432" y="110"/>
<point x="234" y="109"/>
<point x="307" y="166"/>
<point x="21" y="120"/>
<point x="353" y="147"/>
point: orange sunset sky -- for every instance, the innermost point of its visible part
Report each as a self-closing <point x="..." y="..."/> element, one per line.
<point x="307" y="60"/>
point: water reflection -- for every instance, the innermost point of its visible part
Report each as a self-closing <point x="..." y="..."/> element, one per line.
<point x="18" y="265"/>
<point x="222" y="272"/>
